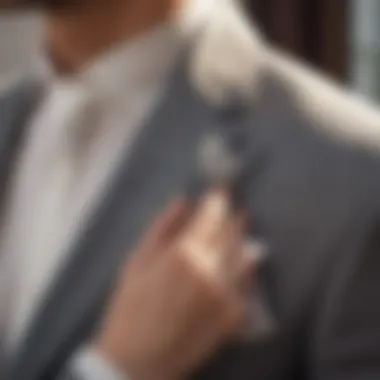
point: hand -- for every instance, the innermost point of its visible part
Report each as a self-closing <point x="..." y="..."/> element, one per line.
<point x="180" y="296"/>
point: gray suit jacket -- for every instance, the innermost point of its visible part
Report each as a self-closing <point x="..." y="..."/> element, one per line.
<point x="310" y="177"/>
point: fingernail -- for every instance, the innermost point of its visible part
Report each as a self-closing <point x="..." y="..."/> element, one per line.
<point x="215" y="204"/>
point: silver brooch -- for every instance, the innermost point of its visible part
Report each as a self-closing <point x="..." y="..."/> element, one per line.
<point x="216" y="162"/>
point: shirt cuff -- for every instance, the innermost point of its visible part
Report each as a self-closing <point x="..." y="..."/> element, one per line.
<point x="87" y="364"/>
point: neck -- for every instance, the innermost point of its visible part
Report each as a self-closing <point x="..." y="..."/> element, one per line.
<point x="75" y="38"/>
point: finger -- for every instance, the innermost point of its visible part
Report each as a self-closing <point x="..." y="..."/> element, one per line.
<point x="208" y="234"/>
<point x="166" y="226"/>
<point x="240" y="277"/>
<point x="210" y="221"/>
<point x="234" y="245"/>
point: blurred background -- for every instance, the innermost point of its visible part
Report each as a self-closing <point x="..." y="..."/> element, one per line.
<point x="341" y="37"/>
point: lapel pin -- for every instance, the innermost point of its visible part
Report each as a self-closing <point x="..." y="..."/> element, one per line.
<point x="216" y="162"/>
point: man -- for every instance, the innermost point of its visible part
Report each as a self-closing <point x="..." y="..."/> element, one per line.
<point x="302" y="160"/>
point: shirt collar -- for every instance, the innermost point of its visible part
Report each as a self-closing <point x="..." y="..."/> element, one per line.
<point x="139" y="62"/>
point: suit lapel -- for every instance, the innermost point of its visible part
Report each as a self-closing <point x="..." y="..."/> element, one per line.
<point x="16" y="105"/>
<point x="160" y="167"/>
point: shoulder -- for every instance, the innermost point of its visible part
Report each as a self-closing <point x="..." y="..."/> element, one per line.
<point x="315" y="200"/>
<point x="232" y="55"/>
<point x="330" y="108"/>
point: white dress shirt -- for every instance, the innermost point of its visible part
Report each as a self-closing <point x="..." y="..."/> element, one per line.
<point x="75" y="140"/>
